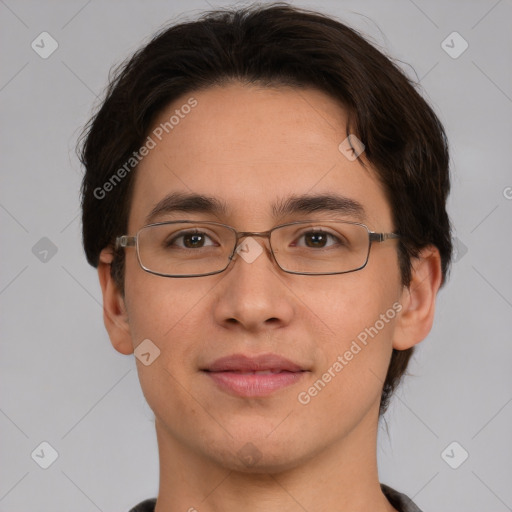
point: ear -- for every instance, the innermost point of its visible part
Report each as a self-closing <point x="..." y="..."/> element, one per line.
<point x="114" y="309"/>
<point x="418" y="300"/>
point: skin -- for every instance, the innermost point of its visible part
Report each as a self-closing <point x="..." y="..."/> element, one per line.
<point x="251" y="146"/>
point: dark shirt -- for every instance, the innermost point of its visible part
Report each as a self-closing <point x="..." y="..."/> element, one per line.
<point x="400" y="501"/>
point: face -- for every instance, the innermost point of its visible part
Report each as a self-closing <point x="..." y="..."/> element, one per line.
<point x="252" y="148"/>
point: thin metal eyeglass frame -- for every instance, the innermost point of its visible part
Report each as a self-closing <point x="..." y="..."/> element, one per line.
<point x="125" y="241"/>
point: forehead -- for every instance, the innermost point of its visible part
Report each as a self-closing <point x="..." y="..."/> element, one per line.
<point x="253" y="148"/>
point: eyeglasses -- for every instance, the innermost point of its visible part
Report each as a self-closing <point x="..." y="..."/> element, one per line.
<point x="189" y="248"/>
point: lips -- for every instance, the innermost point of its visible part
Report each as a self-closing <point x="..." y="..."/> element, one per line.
<point x="254" y="376"/>
<point x="264" y="362"/>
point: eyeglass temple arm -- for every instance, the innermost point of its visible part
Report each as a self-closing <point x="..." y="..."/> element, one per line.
<point x="126" y="241"/>
<point x="381" y="237"/>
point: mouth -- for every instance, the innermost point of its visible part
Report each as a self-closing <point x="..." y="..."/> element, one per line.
<point x="257" y="376"/>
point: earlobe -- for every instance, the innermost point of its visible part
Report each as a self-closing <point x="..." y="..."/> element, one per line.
<point x="114" y="310"/>
<point x="418" y="300"/>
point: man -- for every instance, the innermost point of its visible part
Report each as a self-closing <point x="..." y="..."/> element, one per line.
<point x="264" y="200"/>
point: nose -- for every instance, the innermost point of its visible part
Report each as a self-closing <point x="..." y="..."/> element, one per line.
<point x="253" y="294"/>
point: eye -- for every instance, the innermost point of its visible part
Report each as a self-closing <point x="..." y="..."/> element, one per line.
<point x="190" y="240"/>
<point x="317" y="239"/>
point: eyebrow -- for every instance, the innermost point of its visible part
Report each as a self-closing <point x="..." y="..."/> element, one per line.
<point x="198" y="203"/>
<point x="184" y="202"/>
<point x="319" y="203"/>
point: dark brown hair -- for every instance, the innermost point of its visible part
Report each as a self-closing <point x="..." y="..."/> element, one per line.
<point x="271" y="46"/>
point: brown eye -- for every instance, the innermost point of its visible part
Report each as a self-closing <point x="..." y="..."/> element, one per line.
<point x="193" y="240"/>
<point x="317" y="240"/>
<point x="189" y="240"/>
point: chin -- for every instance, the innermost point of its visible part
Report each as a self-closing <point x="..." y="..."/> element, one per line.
<point x="249" y="459"/>
<point x="259" y="454"/>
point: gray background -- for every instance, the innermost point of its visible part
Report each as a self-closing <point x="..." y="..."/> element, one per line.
<point x="63" y="383"/>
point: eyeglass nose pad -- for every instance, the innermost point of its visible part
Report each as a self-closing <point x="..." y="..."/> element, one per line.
<point x="235" y="255"/>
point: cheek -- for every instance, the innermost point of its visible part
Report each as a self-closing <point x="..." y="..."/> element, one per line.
<point x="360" y="311"/>
<point x="167" y="312"/>
<point x="347" y="304"/>
<point x="173" y="314"/>
<point x="349" y="382"/>
<point x="160" y="308"/>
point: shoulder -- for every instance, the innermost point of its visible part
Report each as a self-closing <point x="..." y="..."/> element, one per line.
<point x="400" y="501"/>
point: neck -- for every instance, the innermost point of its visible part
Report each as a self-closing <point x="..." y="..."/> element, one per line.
<point x="342" y="478"/>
